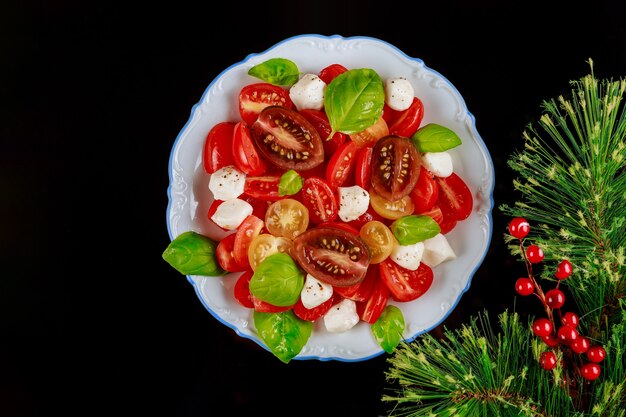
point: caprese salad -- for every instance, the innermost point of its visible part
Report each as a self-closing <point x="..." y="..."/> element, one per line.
<point x="336" y="200"/>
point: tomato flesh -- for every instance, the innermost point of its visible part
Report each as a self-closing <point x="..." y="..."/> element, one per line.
<point x="332" y="255"/>
<point x="341" y="164"/>
<point x="224" y="253"/>
<point x="370" y="310"/>
<point x="217" y="152"/>
<point x="455" y="197"/>
<point x="362" y="290"/>
<point x="254" y="98"/>
<point x="404" y="284"/>
<point x="287" y="139"/>
<point x="320" y="200"/>
<point x="320" y="121"/>
<point x="263" y="188"/>
<point x="426" y="191"/>
<point x="329" y="73"/>
<point x="312" y="314"/>
<point x="246" y="232"/>
<point x="405" y="123"/>
<point x="241" y="290"/>
<point x="245" y="155"/>
<point x="363" y="168"/>
<point x="395" y="167"/>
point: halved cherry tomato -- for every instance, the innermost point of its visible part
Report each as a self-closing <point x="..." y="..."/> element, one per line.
<point x="259" y="206"/>
<point x="263" y="188"/>
<point x="426" y="191"/>
<point x="371" y="134"/>
<point x="320" y="121"/>
<point x="217" y="152"/>
<point x="396" y="166"/>
<point x="265" y="307"/>
<point x="320" y="200"/>
<point x="245" y="155"/>
<point x="391" y="210"/>
<point x="288" y="218"/>
<point x="287" y="139"/>
<point x="241" y="289"/>
<point x="404" y="284"/>
<point x="248" y="230"/>
<point x="362" y="290"/>
<point x="388" y="112"/>
<point x="254" y="98"/>
<point x="330" y="72"/>
<point x="312" y="314"/>
<point x="332" y="255"/>
<point x="341" y="164"/>
<point x="405" y="123"/>
<point x="455" y="197"/>
<point x="265" y="245"/>
<point x="363" y="168"/>
<point x="225" y="256"/>
<point x="370" y="310"/>
<point x="379" y="239"/>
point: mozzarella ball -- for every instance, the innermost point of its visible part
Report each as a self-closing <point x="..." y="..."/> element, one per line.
<point x="341" y="317"/>
<point x="315" y="292"/>
<point x="439" y="163"/>
<point x="227" y="183"/>
<point x="353" y="202"/>
<point x="231" y="213"/>
<point x="399" y="93"/>
<point x="308" y="92"/>
<point x="437" y="249"/>
<point x="408" y="256"/>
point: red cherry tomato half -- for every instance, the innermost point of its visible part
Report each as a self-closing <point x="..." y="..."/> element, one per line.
<point x="343" y="226"/>
<point x="445" y="223"/>
<point x="312" y="314"/>
<point x="319" y="120"/>
<point x="363" y="168"/>
<point x="246" y="157"/>
<point x="367" y="217"/>
<point x="259" y="206"/>
<point x="265" y="307"/>
<point x="217" y="152"/>
<point x="405" y="123"/>
<point x="332" y="255"/>
<point x="455" y="197"/>
<point x="225" y="256"/>
<point x="426" y="191"/>
<point x="263" y="188"/>
<point x="241" y="290"/>
<point x="395" y="167"/>
<point x="341" y="164"/>
<point x="254" y="98"/>
<point x="330" y="72"/>
<point x="361" y="291"/>
<point x="287" y="139"/>
<point x="248" y="230"/>
<point x="370" y="310"/>
<point x="320" y="200"/>
<point x="404" y="284"/>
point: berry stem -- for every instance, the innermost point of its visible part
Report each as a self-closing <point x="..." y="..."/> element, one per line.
<point x="538" y="290"/>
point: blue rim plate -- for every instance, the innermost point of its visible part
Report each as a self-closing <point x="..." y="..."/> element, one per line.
<point x="190" y="198"/>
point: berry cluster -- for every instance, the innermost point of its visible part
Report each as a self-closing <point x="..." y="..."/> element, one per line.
<point x="566" y="335"/>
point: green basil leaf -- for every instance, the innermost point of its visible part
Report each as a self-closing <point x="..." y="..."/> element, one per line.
<point x="290" y="183"/>
<point x="191" y="253"/>
<point x="277" y="71"/>
<point x="354" y="100"/>
<point x="409" y="230"/>
<point x="435" y="138"/>
<point x="277" y="280"/>
<point x="388" y="329"/>
<point x="284" y="333"/>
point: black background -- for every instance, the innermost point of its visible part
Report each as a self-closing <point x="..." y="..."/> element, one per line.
<point x="92" y="96"/>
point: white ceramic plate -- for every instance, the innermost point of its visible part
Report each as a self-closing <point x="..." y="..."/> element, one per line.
<point x="190" y="198"/>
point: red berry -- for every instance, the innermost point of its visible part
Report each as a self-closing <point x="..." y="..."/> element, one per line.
<point x="567" y="334"/>
<point x="596" y="354"/>
<point x="519" y="227"/>
<point x="534" y="254"/>
<point x="570" y="319"/>
<point x="580" y="345"/>
<point x="550" y="340"/>
<point x="524" y="286"/>
<point x="547" y="360"/>
<point x="542" y="327"/>
<point x="564" y="269"/>
<point x="555" y="298"/>
<point x="590" y="371"/>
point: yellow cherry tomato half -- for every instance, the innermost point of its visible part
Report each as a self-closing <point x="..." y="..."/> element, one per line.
<point x="379" y="239"/>
<point x="371" y="134"/>
<point x="264" y="245"/>
<point x="391" y="210"/>
<point x="287" y="218"/>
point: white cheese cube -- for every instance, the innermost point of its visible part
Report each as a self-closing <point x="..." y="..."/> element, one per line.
<point x="439" y="163"/>
<point x="231" y="213"/>
<point x="353" y="202"/>
<point x="437" y="250"/>
<point x="227" y="183"/>
<point x="408" y="256"/>
<point x="308" y="92"/>
<point x="399" y="93"/>
<point x="341" y="317"/>
<point x="315" y="292"/>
